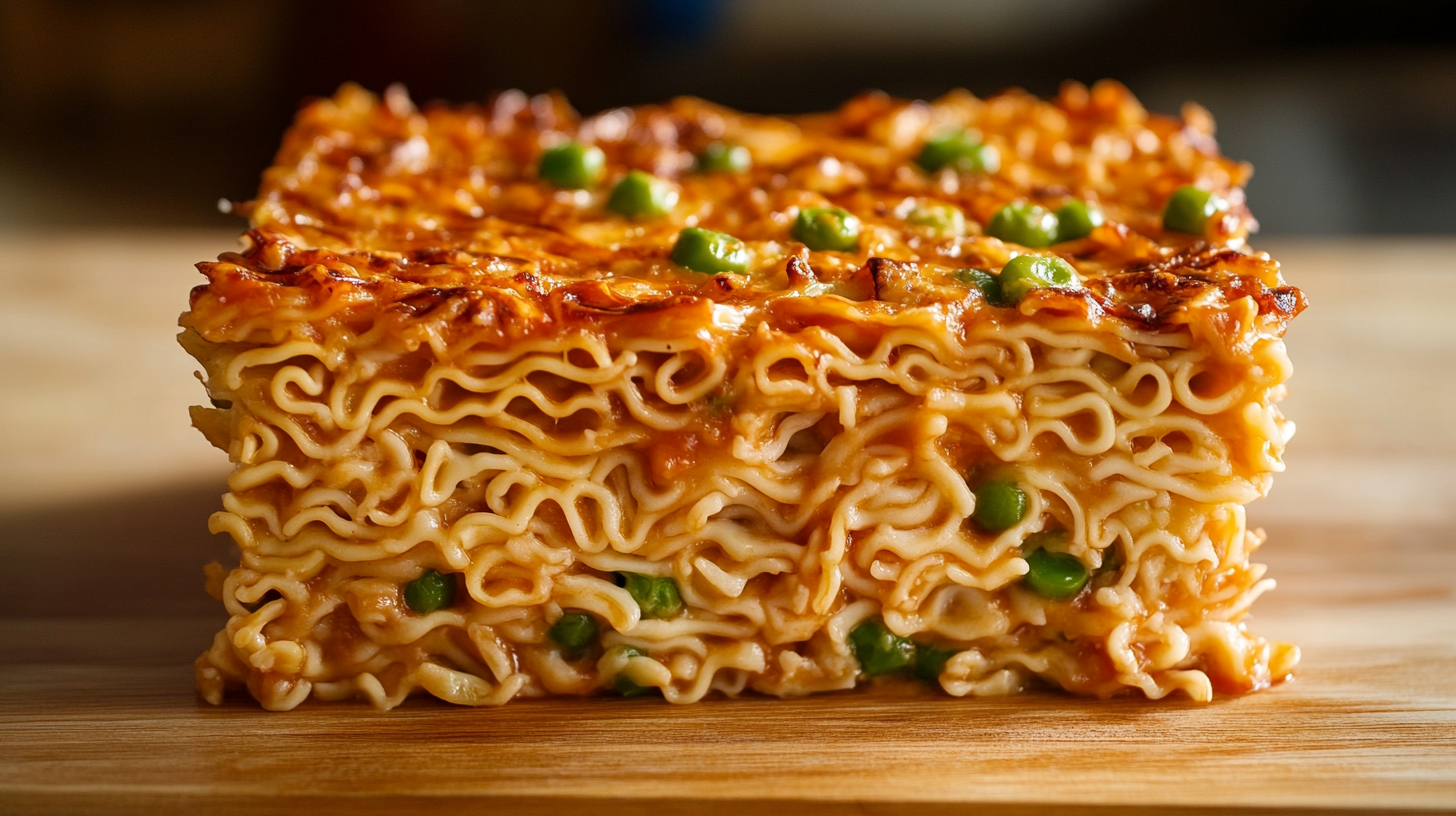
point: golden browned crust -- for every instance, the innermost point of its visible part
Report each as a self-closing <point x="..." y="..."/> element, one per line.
<point x="376" y="203"/>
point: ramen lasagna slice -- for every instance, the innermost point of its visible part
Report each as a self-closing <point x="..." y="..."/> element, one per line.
<point x="675" y="400"/>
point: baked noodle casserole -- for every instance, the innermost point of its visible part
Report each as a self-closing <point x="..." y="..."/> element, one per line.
<point x="675" y="400"/>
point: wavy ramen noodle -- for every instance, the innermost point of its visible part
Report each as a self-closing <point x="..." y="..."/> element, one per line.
<point x="495" y="437"/>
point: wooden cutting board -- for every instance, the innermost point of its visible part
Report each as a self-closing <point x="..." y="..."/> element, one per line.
<point x="102" y="533"/>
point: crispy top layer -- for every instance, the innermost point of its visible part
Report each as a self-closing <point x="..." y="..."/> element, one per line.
<point x="372" y="202"/>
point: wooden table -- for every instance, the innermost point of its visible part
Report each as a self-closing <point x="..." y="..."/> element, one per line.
<point x="104" y="492"/>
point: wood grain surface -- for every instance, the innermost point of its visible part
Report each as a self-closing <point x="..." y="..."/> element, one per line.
<point x="104" y="494"/>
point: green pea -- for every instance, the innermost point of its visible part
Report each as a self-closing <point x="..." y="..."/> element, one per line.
<point x="826" y="229"/>
<point x="1076" y="219"/>
<point x="1023" y="223"/>
<point x="930" y="661"/>
<point x="574" y="631"/>
<point x="641" y="195"/>
<point x="1027" y="272"/>
<point x="629" y="688"/>
<point x="959" y="151"/>
<point x="983" y="280"/>
<point x="573" y="165"/>
<point x="658" y="597"/>
<point x="999" y="506"/>
<point x="703" y="250"/>
<point x="624" y="685"/>
<point x="1054" y="575"/>
<point x="429" y="592"/>
<point x="880" y="651"/>
<point x="724" y="158"/>
<point x="944" y="220"/>
<point x="1189" y="209"/>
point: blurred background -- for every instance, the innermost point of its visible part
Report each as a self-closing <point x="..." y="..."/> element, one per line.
<point x="122" y="122"/>
<point x="126" y="113"/>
